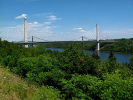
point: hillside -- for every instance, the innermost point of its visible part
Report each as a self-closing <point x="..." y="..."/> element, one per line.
<point x="13" y="87"/>
<point x="122" y="45"/>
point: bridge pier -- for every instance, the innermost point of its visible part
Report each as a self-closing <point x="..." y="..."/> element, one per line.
<point x="97" y="37"/>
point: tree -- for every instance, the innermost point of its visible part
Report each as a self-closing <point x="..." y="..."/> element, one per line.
<point x="112" y="57"/>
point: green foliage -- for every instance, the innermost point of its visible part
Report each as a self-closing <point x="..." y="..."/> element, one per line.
<point x="115" y="88"/>
<point x="112" y="57"/>
<point x="131" y="60"/>
<point x="48" y="93"/>
<point x="74" y="60"/>
<point x="95" y="56"/>
<point x="130" y="65"/>
<point x="75" y="73"/>
<point x="14" y="88"/>
<point x="24" y="65"/>
<point x="109" y="65"/>
<point x="51" y="78"/>
<point x="64" y="45"/>
<point x="82" y="87"/>
<point x="121" y="45"/>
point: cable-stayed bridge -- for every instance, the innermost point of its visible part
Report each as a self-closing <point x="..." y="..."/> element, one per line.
<point x="36" y="40"/>
<point x="82" y="38"/>
<point x="86" y="41"/>
<point x="42" y="41"/>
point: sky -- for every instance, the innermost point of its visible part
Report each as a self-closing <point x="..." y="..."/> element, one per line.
<point x="66" y="19"/>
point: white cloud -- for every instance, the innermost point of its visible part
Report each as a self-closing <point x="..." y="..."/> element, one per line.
<point x="47" y="23"/>
<point x="81" y="30"/>
<point x="35" y="23"/>
<point x="42" y="30"/>
<point x="78" y="28"/>
<point x="53" y="18"/>
<point x="16" y="33"/>
<point x="21" y="16"/>
<point x="104" y="34"/>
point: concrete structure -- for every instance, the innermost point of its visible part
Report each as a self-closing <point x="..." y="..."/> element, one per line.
<point x="91" y="41"/>
<point x="25" y="31"/>
<point x="97" y="37"/>
<point x="26" y="43"/>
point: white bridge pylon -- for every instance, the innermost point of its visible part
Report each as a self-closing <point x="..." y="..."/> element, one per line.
<point x="97" y="37"/>
<point x="26" y="35"/>
<point x="25" y="32"/>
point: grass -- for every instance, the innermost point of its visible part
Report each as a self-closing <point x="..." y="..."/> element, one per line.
<point x="13" y="87"/>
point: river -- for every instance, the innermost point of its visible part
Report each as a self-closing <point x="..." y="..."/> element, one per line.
<point x="120" y="57"/>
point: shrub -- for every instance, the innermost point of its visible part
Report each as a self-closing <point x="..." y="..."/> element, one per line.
<point x="115" y="88"/>
<point x="39" y="50"/>
<point x="51" y="78"/>
<point x="131" y="60"/>
<point x="131" y="63"/>
<point x="73" y="60"/>
<point x="82" y="87"/>
<point x="24" y="65"/>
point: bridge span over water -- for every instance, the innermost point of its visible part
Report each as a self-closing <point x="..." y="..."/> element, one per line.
<point x="27" y="43"/>
<point x="89" y="41"/>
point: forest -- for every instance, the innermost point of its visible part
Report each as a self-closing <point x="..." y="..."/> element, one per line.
<point x="121" y="45"/>
<point x="64" y="45"/>
<point x="75" y="74"/>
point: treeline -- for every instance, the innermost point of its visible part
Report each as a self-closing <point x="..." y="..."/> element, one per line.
<point x="64" y="45"/>
<point x="122" y="45"/>
<point x="76" y="74"/>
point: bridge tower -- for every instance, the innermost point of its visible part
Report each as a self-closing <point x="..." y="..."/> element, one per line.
<point x="25" y="31"/>
<point x="97" y="37"/>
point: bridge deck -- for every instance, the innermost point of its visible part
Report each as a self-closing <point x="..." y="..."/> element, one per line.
<point x="92" y="41"/>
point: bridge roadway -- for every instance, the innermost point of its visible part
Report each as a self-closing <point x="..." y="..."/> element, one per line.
<point x="90" y="41"/>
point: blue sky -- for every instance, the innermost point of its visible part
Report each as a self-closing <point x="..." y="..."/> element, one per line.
<point x="66" y="19"/>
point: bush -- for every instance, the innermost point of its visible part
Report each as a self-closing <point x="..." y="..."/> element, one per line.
<point x="74" y="72"/>
<point x="131" y="60"/>
<point x="24" y="65"/>
<point x="51" y="78"/>
<point x="115" y="88"/>
<point x="73" y="60"/>
<point x="131" y="63"/>
<point x="82" y="87"/>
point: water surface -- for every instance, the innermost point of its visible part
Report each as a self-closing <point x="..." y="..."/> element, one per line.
<point x="120" y="57"/>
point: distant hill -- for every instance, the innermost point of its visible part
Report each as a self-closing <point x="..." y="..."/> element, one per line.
<point x="122" y="45"/>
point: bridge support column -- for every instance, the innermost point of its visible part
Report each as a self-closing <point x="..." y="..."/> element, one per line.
<point x="97" y="37"/>
<point x="25" y="31"/>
